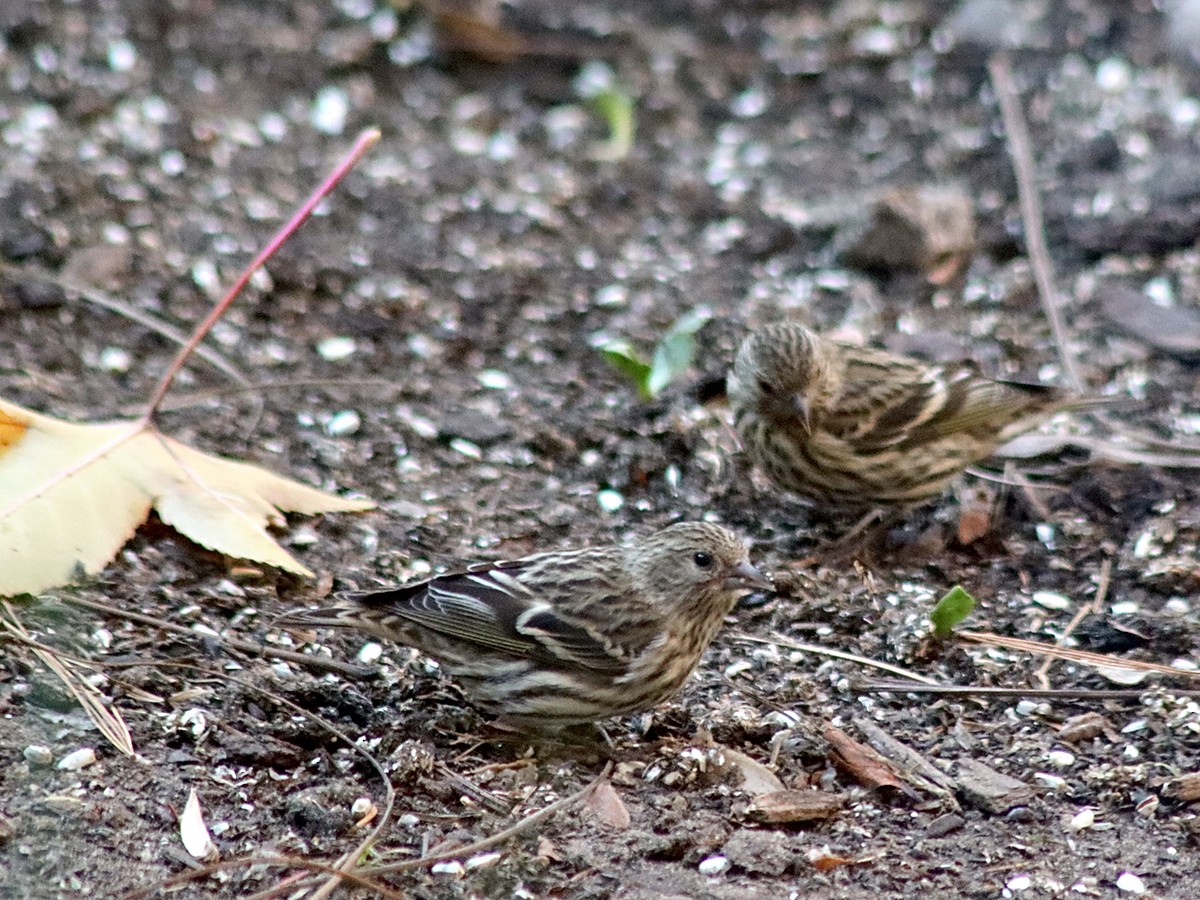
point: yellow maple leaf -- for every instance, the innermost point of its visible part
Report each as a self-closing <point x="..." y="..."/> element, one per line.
<point x="71" y="494"/>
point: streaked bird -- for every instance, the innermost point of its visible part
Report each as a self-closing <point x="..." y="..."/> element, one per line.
<point x="854" y="428"/>
<point x="567" y="637"/>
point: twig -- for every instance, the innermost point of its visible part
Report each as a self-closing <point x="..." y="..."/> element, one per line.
<point x="106" y="718"/>
<point x="1020" y="148"/>
<point x="501" y="836"/>
<point x="364" y="143"/>
<point x="1040" y="675"/>
<point x="778" y="641"/>
<point x="302" y="659"/>
<point x="973" y="690"/>
<point x="1080" y="656"/>
<point x="147" y="320"/>
<point x="195" y="398"/>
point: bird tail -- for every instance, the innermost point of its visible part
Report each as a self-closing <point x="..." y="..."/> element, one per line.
<point x="1098" y="403"/>
<point x="344" y="615"/>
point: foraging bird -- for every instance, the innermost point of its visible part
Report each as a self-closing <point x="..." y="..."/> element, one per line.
<point x="567" y="637"/>
<point x="854" y="427"/>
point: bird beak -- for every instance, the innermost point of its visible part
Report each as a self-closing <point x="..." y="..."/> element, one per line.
<point x="745" y="576"/>
<point x="803" y="412"/>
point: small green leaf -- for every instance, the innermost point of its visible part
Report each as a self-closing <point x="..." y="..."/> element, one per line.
<point x="617" y="109"/>
<point x="676" y="350"/>
<point x="951" y="610"/>
<point x="622" y="357"/>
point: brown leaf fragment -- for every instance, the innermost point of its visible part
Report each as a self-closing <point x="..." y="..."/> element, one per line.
<point x="786" y="807"/>
<point x="1083" y="727"/>
<point x="1185" y="788"/>
<point x="989" y="790"/>
<point x="860" y="762"/>
<point x="975" y="516"/>
<point x="608" y="807"/>
<point x="824" y="860"/>
<point x="462" y="31"/>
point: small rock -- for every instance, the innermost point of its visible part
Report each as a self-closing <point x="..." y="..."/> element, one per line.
<point x="943" y="825"/>
<point x="1130" y="883"/>
<point x="989" y="790"/>
<point x="1082" y="728"/>
<point x="713" y="866"/>
<point x="759" y="852"/>
<point x="37" y="755"/>
<point x="1171" y="329"/>
<point x="477" y="427"/>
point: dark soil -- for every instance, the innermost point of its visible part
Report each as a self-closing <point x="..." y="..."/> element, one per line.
<point x="475" y="258"/>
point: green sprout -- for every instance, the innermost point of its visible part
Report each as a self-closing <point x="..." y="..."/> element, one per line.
<point x="951" y="610"/>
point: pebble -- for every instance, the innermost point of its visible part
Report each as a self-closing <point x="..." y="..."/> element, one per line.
<point x="37" y="755"/>
<point x="713" y="866"/>
<point x="609" y="500"/>
<point x="330" y="110"/>
<point x="1130" y="883"/>
<point x="334" y="349"/>
<point x="343" y="423"/>
<point x="1082" y="820"/>
<point x="370" y="653"/>
<point x="115" y="359"/>
<point x="1051" y="600"/>
<point x="1019" y="883"/>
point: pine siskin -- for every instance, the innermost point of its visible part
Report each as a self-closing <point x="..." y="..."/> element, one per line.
<point x="855" y="427"/>
<point x="567" y="637"/>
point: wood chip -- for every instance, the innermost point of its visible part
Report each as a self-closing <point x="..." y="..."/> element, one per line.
<point x="989" y="790"/>
<point x="1083" y="728"/>
<point x="785" y="807"/>
<point x="911" y="765"/>
<point x="860" y="762"/>
<point x="1185" y="788"/>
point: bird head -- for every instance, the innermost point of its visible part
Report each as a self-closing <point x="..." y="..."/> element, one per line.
<point x="780" y="371"/>
<point x="696" y="558"/>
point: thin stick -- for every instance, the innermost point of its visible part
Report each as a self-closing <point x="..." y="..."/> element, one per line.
<point x="972" y="690"/>
<point x="499" y="837"/>
<point x="818" y="650"/>
<point x="1021" y="150"/>
<point x="301" y="659"/>
<point x="364" y="142"/>
<point x="147" y="320"/>
<point x="1101" y="592"/>
<point x="1080" y="656"/>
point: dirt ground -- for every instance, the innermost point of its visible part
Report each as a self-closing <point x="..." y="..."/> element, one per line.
<point x="429" y="340"/>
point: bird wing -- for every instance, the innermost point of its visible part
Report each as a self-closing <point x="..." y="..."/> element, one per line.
<point x="916" y="404"/>
<point x="491" y="606"/>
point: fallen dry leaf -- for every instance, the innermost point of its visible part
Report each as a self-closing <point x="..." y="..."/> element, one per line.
<point x="71" y="494"/>
<point x="608" y="807"/>
<point x="753" y="777"/>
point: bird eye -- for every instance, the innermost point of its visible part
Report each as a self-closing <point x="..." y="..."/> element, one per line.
<point x="703" y="560"/>
<point x="765" y="386"/>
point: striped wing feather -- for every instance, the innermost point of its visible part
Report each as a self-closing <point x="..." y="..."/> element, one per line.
<point x="492" y="607"/>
